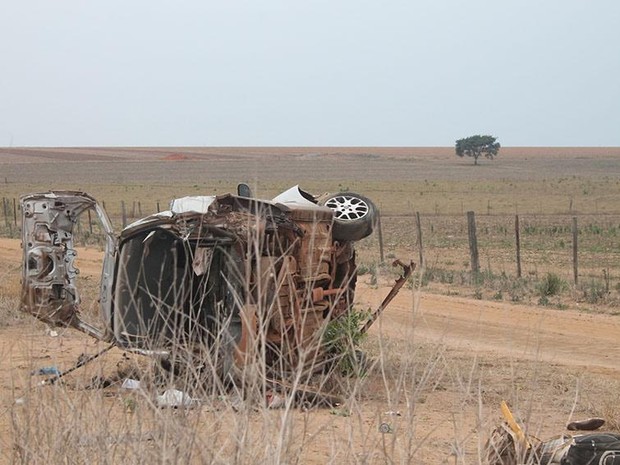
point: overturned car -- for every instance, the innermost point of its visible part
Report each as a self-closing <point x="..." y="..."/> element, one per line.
<point x="226" y="280"/>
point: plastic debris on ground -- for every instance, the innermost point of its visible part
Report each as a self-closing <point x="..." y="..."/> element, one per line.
<point x="43" y="371"/>
<point x="131" y="384"/>
<point x="274" y="400"/>
<point x="52" y="333"/>
<point x="175" y="399"/>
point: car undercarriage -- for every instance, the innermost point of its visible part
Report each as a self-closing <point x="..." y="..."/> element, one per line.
<point x="222" y="282"/>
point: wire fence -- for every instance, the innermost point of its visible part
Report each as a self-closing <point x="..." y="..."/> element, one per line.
<point x="580" y="246"/>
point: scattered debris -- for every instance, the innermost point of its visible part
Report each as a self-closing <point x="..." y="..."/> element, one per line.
<point x="51" y="332"/>
<point x="274" y="400"/>
<point x="83" y="359"/>
<point x="131" y="384"/>
<point x="174" y="398"/>
<point x="385" y="428"/>
<point x="591" y="424"/>
<point x="46" y="371"/>
<point x="510" y="445"/>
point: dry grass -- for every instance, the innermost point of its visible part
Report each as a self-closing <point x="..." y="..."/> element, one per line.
<point x="446" y="403"/>
<point x="446" y="400"/>
<point x="10" y="290"/>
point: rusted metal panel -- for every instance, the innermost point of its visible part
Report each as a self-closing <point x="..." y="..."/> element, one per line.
<point x="49" y="273"/>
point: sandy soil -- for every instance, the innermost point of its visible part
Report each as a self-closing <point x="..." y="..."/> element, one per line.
<point x="467" y="333"/>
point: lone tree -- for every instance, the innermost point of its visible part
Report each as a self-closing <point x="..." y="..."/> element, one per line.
<point x="477" y="145"/>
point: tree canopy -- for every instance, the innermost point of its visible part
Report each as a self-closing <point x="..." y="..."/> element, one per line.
<point x="477" y="145"/>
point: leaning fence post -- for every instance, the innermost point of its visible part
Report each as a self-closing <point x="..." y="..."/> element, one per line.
<point x="473" y="242"/>
<point x="420" y="248"/>
<point x="575" y="236"/>
<point x="518" y="243"/>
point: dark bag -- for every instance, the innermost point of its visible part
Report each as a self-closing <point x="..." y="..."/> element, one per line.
<point x="594" y="449"/>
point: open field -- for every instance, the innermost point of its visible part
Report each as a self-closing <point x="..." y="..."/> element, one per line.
<point x="402" y="180"/>
<point x="447" y="350"/>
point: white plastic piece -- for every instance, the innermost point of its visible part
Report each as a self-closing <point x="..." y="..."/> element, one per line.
<point x="292" y="196"/>
<point x="176" y="398"/>
<point x="197" y="204"/>
<point x="129" y="383"/>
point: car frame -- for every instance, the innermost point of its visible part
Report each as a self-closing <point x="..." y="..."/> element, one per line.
<point x="223" y="281"/>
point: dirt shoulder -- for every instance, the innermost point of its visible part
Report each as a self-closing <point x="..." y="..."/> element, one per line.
<point x="564" y="337"/>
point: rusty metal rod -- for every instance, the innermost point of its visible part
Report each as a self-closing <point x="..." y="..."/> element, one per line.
<point x="81" y="362"/>
<point x="407" y="272"/>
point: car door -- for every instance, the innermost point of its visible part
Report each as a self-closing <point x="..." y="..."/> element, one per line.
<point x="49" y="277"/>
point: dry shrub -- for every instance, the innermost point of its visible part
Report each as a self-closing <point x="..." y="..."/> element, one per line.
<point x="10" y="291"/>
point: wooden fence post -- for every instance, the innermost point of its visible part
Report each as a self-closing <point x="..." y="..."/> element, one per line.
<point x="473" y="242"/>
<point x="5" y="208"/>
<point x="518" y="243"/>
<point x="420" y="247"/>
<point x="575" y="249"/>
<point x="123" y="214"/>
<point x="15" y="212"/>
<point x="380" y="232"/>
<point x="158" y="210"/>
<point x="90" y="223"/>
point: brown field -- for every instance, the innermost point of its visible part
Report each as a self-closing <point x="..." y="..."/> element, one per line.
<point x="403" y="180"/>
<point x="448" y="350"/>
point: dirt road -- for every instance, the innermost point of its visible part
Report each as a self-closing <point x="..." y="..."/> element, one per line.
<point x="557" y="336"/>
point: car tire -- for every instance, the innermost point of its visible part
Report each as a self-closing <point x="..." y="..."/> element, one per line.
<point x="354" y="215"/>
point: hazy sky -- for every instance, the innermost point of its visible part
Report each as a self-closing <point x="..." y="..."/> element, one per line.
<point x="314" y="72"/>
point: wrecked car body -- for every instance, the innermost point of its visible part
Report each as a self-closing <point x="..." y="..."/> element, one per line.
<point x="230" y="279"/>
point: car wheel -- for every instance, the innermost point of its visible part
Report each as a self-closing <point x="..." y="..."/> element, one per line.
<point x="354" y="216"/>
